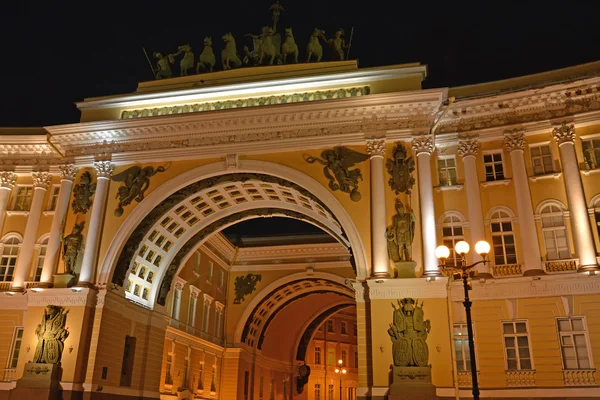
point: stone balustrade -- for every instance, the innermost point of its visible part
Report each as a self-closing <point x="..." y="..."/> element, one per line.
<point x="520" y="378"/>
<point x="9" y="374"/>
<point x="465" y="379"/>
<point x="557" y="266"/>
<point x="579" y="377"/>
<point x="507" y="270"/>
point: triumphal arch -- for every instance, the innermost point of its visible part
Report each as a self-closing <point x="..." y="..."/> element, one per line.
<point x="270" y="232"/>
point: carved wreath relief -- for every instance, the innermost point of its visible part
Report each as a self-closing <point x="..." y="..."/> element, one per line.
<point x="245" y="285"/>
<point x="51" y="334"/>
<point x="136" y="181"/>
<point x="82" y="194"/>
<point x="409" y="334"/>
<point x="400" y="169"/>
<point x="338" y="162"/>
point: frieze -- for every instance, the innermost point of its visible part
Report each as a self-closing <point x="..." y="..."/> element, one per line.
<point x="85" y="297"/>
<point x="249" y="102"/>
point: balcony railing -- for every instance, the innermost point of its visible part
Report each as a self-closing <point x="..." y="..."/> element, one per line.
<point x="465" y="379"/>
<point x="5" y="286"/>
<point x="579" y="377"/>
<point x="9" y="374"/>
<point x="558" y="266"/>
<point x="507" y="270"/>
<point x="520" y="378"/>
<point x="194" y="331"/>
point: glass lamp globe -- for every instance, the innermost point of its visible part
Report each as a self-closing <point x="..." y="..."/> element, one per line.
<point x="337" y="370"/>
<point x="482" y="247"/>
<point x="462" y="247"/>
<point x="343" y="371"/>
<point x="442" y="252"/>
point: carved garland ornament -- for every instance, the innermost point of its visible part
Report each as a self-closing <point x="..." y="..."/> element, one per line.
<point x="422" y="144"/>
<point x="564" y="133"/>
<point x="8" y="179"/>
<point x="514" y="141"/>
<point x="468" y="147"/>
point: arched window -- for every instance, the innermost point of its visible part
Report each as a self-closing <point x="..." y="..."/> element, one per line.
<point x="503" y="239"/>
<point x="40" y="261"/>
<point x="9" y="259"/>
<point x="555" y="233"/>
<point x="452" y="232"/>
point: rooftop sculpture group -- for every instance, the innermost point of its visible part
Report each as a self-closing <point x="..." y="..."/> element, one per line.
<point x="267" y="49"/>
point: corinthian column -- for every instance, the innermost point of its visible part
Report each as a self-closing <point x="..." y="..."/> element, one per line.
<point x="41" y="180"/>
<point x="379" y="254"/>
<point x="87" y="274"/>
<point x="423" y="147"/>
<point x="582" y="231"/>
<point x="468" y="149"/>
<point x="67" y="173"/>
<point x="7" y="183"/>
<point x="515" y="144"/>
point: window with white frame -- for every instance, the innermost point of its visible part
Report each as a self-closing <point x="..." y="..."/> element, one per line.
<point x="192" y="309"/>
<point x="317" y="391"/>
<point x="9" y="259"/>
<point x="516" y="346"/>
<point x="503" y="239"/>
<point x="169" y="369"/>
<point x="447" y="170"/>
<point x="318" y="355"/>
<point x="461" y="345"/>
<point x="218" y="318"/>
<point x="345" y="358"/>
<point x="39" y="265"/>
<point x="272" y="389"/>
<point x="15" y="348"/>
<point x="355" y="357"/>
<point x="221" y="279"/>
<point x="209" y="275"/>
<point x="213" y="379"/>
<point x="200" y="385"/>
<point x="452" y="233"/>
<point x="54" y="192"/>
<point x="555" y="233"/>
<point x="574" y="343"/>
<point x="344" y="328"/>
<point x="261" y="384"/>
<point x="591" y="152"/>
<point x="330" y="325"/>
<point x="541" y="159"/>
<point x="330" y="392"/>
<point x="23" y="195"/>
<point x="494" y="168"/>
<point x="206" y="312"/>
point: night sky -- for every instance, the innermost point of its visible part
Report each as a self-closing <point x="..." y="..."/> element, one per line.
<point x="55" y="54"/>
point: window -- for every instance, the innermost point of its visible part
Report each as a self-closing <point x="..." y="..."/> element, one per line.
<point x="285" y="390"/>
<point x="192" y="311"/>
<point x="213" y="379"/>
<point x="205" y="315"/>
<point x="246" y="383"/>
<point x="494" y="169"/>
<point x="261" y="387"/>
<point x="272" y="389"/>
<point x="209" y="275"/>
<point x="461" y="344"/>
<point x="40" y="261"/>
<point x="128" y="285"/>
<point x="503" y="240"/>
<point x="136" y="290"/>
<point x="16" y="347"/>
<point x="351" y="393"/>
<point x="330" y="326"/>
<point x="344" y="328"/>
<point x="23" y="198"/>
<point x="574" y="343"/>
<point x="591" y="152"/>
<point x="516" y="344"/>
<point x="196" y="266"/>
<point x="201" y="377"/>
<point x="169" y="368"/>
<point x="221" y="279"/>
<point x="344" y="357"/>
<point x="452" y="233"/>
<point x="330" y="392"/>
<point x="145" y="293"/>
<point x="54" y="192"/>
<point x="9" y="259"/>
<point x="447" y="170"/>
<point x="317" y="391"/>
<point x="541" y="159"/>
<point x="331" y="356"/>
<point x="127" y="364"/>
<point x="218" y="318"/>
<point x="355" y="329"/>
<point x="318" y="355"/>
<point x="355" y="358"/>
<point x="555" y="233"/>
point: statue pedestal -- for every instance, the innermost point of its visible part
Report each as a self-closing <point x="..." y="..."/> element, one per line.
<point x="411" y="383"/>
<point x="64" y="280"/>
<point x="39" y="381"/>
<point x="406" y="269"/>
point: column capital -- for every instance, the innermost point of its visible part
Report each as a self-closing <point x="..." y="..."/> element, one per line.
<point x="103" y="168"/>
<point x="564" y="133"/>
<point x="422" y="144"/>
<point x="7" y="179"/>
<point x="68" y="172"/>
<point x="41" y="180"/>
<point x="468" y="147"/>
<point x="376" y="147"/>
<point x="514" y="141"/>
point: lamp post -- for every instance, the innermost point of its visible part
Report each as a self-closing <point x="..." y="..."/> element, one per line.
<point x="462" y="248"/>
<point x="340" y="370"/>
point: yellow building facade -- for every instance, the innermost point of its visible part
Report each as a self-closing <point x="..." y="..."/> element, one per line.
<point x="162" y="304"/>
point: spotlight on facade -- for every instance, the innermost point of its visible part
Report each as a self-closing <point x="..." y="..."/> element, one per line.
<point x="36" y="289"/>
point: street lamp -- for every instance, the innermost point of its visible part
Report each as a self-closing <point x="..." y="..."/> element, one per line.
<point x="462" y="248"/>
<point x="340" y="370"/>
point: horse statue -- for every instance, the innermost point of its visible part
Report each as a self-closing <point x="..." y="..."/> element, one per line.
<point x="289" y="46"/>
<point x="266" y="46"/>
<point x="314" y="47"/>
<point x="207" y="57"/>
<point x="229" y="55"/>
<point x="187" y="61"/>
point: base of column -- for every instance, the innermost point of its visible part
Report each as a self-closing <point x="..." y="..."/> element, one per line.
<point x="432" y="274"/>
<point x="44" y="285"/>
<point x="17" y="289"/>
<point x="85" y="285"/>
<point x="591" y="269"/>
<point x="380" y="275"/>
<point x="534" y="272"/>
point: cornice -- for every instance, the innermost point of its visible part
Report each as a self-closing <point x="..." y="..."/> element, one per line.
<point x="291" y="252"/>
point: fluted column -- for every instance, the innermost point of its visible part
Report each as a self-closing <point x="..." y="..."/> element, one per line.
<point x="87" y="275"/>
<point x="41" y="180"/>
<point x="580" y="223"/>
<point x="379" y="254"/>
<point x="67" y="173"/>
<point x="423" y="147"/>
<point x="7" y="183"/>
<point x="515" y="144"/>
<point x="468" y="150"/>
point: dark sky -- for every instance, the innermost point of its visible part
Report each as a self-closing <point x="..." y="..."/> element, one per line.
<point x="55" y="53"/>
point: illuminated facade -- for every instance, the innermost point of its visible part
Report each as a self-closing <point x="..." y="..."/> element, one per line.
<point x="163" y="305"/>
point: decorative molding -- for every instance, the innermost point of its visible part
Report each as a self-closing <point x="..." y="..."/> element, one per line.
<point x="41" y="180"/>
<point x="423" y="144"/>
<point x="564" y="133"/>
<point x="68" y="172"/>
<point x="444" y="188"/>
<point x="514" y="140"/>
<point x="104" y="169"/>
<point x="179" y="283"/>
<point x="551" y="175"/>
<point x="219" y="306"/>
<point x="400" y="288"/>
<point x="468" y="147"/>
<point x="520" y="378"/>
<point x="376" y="147"/>
<point x="194" y="291"/>
<point x="8" y="179"/>
<point x="504" y="182"/>
<point x="62" y="297"/>
<point x="232" y="161"/>
<point x="208" y="299"/>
